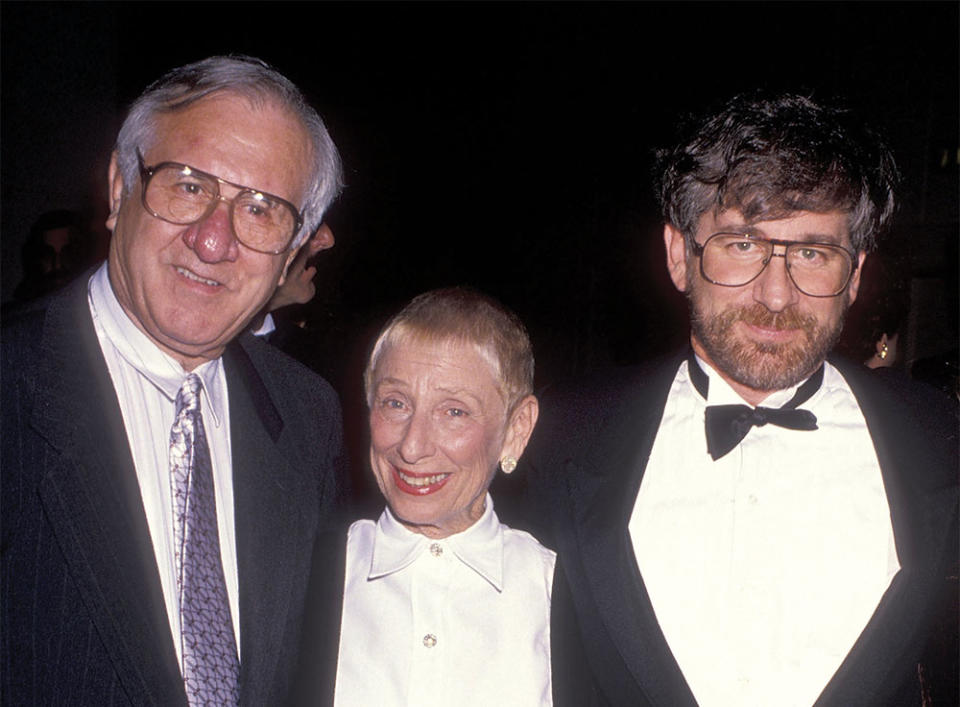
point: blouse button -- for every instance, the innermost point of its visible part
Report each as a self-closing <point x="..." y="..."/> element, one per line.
<point x="429" y="640"/>
<point x="436" y="550"/>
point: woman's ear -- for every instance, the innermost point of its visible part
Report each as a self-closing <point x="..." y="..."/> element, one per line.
<point x="519" y="428"/>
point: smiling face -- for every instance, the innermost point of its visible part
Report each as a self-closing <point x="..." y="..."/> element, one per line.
<point x="438" y="428"/>
<point x="766" y="335"/>
<point x="193" y="288"/>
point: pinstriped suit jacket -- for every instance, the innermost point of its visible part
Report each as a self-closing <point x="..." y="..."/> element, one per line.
<point x="82" y="618"/>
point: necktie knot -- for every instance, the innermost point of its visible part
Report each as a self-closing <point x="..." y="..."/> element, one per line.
<point x="188" y="397"/>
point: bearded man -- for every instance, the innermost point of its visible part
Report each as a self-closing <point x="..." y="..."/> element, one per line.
<point x="750" y="523"/>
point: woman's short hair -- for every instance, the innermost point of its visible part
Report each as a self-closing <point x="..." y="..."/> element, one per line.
<point x="464" y="316"/>
<point x="256" y="81"/>
<point x="768" y="156"/>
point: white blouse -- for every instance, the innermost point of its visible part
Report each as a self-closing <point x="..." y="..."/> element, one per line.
<point x="460" y="621"/>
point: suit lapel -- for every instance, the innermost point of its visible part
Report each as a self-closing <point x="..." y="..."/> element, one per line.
<point x="604" y="482"/>
<point x="921" y="519"/>
<point x="274" y="530"/>
<point x="92" y="499"/>
<point x="604" y="486"/>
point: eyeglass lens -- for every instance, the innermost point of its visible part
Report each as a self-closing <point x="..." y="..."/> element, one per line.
<point x="817" y="269"/>
<point x="181" y="195"/>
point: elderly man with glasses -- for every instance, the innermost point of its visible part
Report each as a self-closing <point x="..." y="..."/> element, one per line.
<point x="749" y="523"/>
<point x="165" y="472"/>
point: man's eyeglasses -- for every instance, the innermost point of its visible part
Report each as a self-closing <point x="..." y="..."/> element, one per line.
<point x="180" y="194"/>
<point x="735" y="259"/>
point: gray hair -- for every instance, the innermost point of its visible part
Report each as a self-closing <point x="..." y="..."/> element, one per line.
<point x="464" y="316"/>
<point x="771" y="155"/>
<point x="248" y="77"/>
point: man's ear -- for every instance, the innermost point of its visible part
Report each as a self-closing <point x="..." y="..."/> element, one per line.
<point x="676" y="247"/>
<point x="115" y="187"/>
<point x="322" y="240"/>
<point x="854" y="285"/>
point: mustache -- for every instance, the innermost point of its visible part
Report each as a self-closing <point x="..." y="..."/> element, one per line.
<point x="758" y="315"/>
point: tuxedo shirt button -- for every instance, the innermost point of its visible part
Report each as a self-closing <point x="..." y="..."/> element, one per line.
<point x="429" y="640"/>
<point x="436" y="549"/>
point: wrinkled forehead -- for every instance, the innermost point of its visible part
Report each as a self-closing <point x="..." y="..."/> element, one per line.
<point x="252" y="140"/>
<point x="403" y="337"/>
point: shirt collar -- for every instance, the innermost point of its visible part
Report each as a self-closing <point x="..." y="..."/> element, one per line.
<point x="136" y="348"/>
<point x="479" y="547"/>
<point x="719" y="391"/>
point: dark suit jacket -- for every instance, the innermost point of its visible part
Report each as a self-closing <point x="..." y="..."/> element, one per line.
<point x="588" y="456"/>
<point x="316" y="675"/>
<point x="82" y="617"/>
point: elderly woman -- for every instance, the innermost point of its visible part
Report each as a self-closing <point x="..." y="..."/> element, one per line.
<point x="443" y="604"/>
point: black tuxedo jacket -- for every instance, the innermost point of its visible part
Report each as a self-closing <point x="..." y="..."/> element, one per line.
<point x="588" y="456"/>
<point x="82" y="617"/>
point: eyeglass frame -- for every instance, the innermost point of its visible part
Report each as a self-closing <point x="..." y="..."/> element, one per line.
<point x="697" y="249"/>
<point x="146" y="174"/>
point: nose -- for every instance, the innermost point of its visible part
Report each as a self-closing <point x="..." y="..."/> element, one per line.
<point x="417" y="442"/>
<point x="773" y="288"/>
<point x="212" y="238"/>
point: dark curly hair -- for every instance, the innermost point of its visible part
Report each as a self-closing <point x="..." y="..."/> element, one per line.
<point x="770" y="156"/>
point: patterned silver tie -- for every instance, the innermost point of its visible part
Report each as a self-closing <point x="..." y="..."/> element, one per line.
<point x="211" y="669"/>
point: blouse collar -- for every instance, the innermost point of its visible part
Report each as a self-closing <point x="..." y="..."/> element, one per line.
<point x="479" y="547"/>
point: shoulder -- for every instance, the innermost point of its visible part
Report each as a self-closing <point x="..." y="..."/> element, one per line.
<point x="612" y="386"/>
<point x="304" y="401"/>
<point x="25" y="324"/>
<point x="361" y="533"/>
<point x="25" y="318"/>
<point x="20" y="336"/>
<point x="914" y="418"/>
<point x="36" y="335"/>
<point x="528" y="566"/>
<point x="523" y="548"/>
<point x="575" y="411"/>
<point x="886" y="392"/>
<point x="283" y="373"/>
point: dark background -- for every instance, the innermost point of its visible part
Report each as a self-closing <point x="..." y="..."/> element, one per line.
<point x="501" y="145"/>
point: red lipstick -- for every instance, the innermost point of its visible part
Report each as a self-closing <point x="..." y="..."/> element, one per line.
<point x="418" y="484"/>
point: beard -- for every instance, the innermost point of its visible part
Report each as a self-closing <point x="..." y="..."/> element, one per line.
<point x="764" y="366"/>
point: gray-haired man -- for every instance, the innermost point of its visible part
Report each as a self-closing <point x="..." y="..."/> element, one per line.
<point x="163" y="471"/>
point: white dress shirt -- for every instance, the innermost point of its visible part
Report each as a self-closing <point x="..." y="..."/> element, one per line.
<point x="267" y="326"/>
<point x="146" y="381"/>
<point x="460" y="621"/>
<point x="765" y="565"/>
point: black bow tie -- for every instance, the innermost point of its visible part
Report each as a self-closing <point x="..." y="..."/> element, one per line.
<point x="727" y="425"/>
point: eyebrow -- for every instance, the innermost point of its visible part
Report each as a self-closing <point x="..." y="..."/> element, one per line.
<point x="803" y="238"/>
<point x="456" y="392"/>
<point x="389" y="381"/>
<point x="460" y="393"/>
